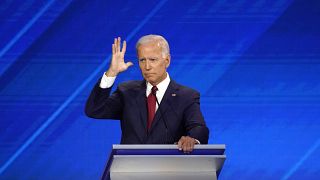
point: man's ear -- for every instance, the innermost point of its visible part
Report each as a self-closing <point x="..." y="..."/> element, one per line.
<point x="168" y="59"/>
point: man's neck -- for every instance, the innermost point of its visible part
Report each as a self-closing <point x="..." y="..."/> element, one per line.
<point x="164" y="77"/>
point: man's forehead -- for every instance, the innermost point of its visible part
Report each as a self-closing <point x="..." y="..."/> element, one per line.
<point x="154" y="43"/>
<point x="149" y="47"/>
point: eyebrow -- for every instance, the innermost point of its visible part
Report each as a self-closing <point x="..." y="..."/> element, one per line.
<point x="144" y="58"/>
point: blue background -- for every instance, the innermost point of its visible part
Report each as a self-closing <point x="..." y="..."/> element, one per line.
<point x="255" y="63"/>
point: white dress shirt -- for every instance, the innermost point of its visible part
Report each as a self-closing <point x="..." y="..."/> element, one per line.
<point x="162" y="87"/>
<point x="107" y="82"/>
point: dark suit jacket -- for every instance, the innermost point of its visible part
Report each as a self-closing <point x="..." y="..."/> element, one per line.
<point x="180" y="108"/>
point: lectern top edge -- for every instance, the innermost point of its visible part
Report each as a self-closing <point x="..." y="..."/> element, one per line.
<point x="165" y="146"/>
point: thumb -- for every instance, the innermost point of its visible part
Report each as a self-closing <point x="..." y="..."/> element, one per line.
<point x="180" y="144"/>
<point x="129" y="64"/>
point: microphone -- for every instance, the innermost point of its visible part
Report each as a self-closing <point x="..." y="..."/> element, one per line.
<point x="163" y="119"/>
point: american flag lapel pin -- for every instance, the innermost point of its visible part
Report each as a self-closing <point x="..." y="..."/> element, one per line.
<point x="174" y="94"/>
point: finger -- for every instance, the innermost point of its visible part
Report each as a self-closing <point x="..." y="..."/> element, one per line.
<point x="180" y="143"/>
<point x="124" y="47"/>
<point x="187" y="144"/>
<point x="186" y="148"/>
<point x="184" y="145"/>
<point x="119" y="44"/>
<point x="189" y="148"/>
<point x="115" y="44"/>
<point x="190" y="145"/>
<point x="183" y="141"/>
<point x="113" y="49"/>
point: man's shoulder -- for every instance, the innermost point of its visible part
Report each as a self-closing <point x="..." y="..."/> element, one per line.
<point x="184" y="89"/>
<point x="130" y="85"/>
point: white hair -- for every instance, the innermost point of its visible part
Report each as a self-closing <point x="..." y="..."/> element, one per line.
<point x="160" y="41"/>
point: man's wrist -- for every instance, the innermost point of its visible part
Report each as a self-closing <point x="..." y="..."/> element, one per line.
<point x="106" y="82"/>
<point x="111" y="73"/>
<point x="196" y="141"/>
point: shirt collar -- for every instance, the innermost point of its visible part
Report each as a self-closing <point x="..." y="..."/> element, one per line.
<point x="162" y="86"/>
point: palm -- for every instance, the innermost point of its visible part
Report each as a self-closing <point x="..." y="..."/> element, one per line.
<point x="117" y="63"/>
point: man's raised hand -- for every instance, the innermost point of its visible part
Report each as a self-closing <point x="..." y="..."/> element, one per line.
<point x="117" y="62"/>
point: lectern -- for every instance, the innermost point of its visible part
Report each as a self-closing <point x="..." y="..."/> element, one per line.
<point x="165" y="162"/>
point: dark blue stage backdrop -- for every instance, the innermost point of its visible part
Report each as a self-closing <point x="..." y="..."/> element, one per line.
<point x="256" y="64"/>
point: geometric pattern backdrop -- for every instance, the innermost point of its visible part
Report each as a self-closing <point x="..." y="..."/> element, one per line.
<point x="255" y="63"/>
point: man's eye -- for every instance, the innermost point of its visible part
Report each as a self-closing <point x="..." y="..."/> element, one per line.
<point x="153" y="59"/>
<point x="142" y="60"/>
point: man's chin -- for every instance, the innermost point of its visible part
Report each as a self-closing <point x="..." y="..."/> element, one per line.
<point x="151" y="81"/>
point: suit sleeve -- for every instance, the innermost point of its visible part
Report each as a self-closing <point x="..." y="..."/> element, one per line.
<point x="102" y="105"/>
<point x="194" y="121"/>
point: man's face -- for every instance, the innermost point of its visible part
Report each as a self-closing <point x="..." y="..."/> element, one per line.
<point x="152" y="63"/>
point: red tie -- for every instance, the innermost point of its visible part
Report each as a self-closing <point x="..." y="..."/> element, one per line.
<point x="152" y="105"/>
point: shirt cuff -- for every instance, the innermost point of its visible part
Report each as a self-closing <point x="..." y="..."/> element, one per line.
<point x="197" y="141"/>
<point x="106" y="82"/>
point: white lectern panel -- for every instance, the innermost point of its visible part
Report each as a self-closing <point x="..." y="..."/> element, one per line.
<point x="156" y="167"/>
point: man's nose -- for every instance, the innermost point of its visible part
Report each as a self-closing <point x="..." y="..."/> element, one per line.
<point x="147" y="65"/>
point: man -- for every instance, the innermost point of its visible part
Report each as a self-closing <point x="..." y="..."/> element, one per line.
<point x="156" y="110"/>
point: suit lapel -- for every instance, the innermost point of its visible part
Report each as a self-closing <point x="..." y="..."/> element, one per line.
<point x="142" y="105"/>
<point x="165" y="103"/>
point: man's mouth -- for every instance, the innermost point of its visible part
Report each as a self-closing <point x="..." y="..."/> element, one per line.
<point x="149" y="74"/>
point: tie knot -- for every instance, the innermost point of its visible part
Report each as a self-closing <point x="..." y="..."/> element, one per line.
<point x="154" y="90"/>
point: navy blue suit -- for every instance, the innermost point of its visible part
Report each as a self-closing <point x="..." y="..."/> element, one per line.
<point x="180" y="108"/>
